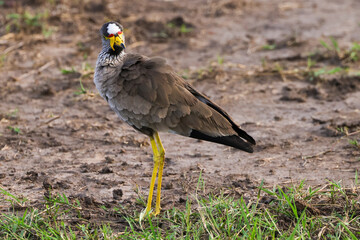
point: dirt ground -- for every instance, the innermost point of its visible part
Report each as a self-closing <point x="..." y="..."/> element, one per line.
<point x="249" y="56"/>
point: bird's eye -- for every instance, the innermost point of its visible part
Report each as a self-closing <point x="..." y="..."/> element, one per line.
<point x="108" y="36"/>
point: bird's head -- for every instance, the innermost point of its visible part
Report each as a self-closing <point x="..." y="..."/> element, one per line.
<point x="113" y="37"/>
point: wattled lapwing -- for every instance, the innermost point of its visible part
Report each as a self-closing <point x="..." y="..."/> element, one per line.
<point x="148" y="95"/>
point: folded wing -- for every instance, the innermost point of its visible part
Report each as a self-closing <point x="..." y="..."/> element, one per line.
<point x="169" y="103"/>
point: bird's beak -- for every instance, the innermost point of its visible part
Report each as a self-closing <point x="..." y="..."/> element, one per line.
<point x="118" y="40"/>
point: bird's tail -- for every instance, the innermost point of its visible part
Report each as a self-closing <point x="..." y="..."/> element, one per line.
<point x="232" y="141"/>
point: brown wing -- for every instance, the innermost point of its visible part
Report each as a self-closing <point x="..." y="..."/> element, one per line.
<point x="172" y="104"/>
<point x="208" y="102"/>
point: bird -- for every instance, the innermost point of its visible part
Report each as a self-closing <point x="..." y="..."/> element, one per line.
<point x="151" y="97"/>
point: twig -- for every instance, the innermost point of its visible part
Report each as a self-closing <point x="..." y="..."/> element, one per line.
<point x="316" y="155"/>
<point x="50" y="120"/>
<point x="41" y="69"/>
<point x="353" y="133"/>
<point x="321" y="232"/>
<point x="11" y="48"/>
<point x="272" y="220"/>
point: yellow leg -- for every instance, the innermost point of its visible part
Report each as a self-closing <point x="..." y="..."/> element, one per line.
<point x="153" y="177"/>
<point x="161" y="167"/>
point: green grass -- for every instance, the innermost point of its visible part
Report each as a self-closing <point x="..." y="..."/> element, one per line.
<point x="354" y="142"/>
<point x="296" y="212"/>
<point x="269" y="47"/>
<point x="29" y="23"/>
<point x="86" y="72"/>
<point x="347" y="55"/>
<point x="220" y="60"/>
<point x="336" y="62"/>
<point x="65" y="71"/>
<point x="350" y="136"/>
<point x="331" y="71"/>
<point x="12" y="113"/>
<point x="333" y="47"/>
<point x="15" y="129"/>
<point x="185" y="29"/>
<point x="82" y="90"/>
<point x="2" y="59"/>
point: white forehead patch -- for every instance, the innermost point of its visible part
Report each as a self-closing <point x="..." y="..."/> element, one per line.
<point x="112" y="28"/>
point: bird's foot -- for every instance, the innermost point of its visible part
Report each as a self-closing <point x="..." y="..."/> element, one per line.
<point x="147" y="212"/>
<point x="157" y="211"/>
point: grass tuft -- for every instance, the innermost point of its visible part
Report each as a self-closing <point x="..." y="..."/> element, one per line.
<point x="29" y="23"/>
<point x="296" y="212"/>
<point x="15" y="129"/>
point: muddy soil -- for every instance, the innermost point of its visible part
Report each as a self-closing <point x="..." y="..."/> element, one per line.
<point x="249" y="56"/>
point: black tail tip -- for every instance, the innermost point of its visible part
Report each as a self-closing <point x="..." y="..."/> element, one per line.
<point x="244" y="134"/>
<point x="249" y="149"/>
<point x="232" y="141"/>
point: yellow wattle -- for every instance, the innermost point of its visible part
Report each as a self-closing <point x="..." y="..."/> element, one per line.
<point x="112" y="41"/>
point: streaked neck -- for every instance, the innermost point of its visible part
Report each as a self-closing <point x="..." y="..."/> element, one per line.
<point x="107" y="59"/>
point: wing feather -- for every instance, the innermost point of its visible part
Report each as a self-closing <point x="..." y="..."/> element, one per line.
<point x="174" y="103"/>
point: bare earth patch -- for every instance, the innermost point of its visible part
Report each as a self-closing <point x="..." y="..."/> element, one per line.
<point x="251" y="57"/>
